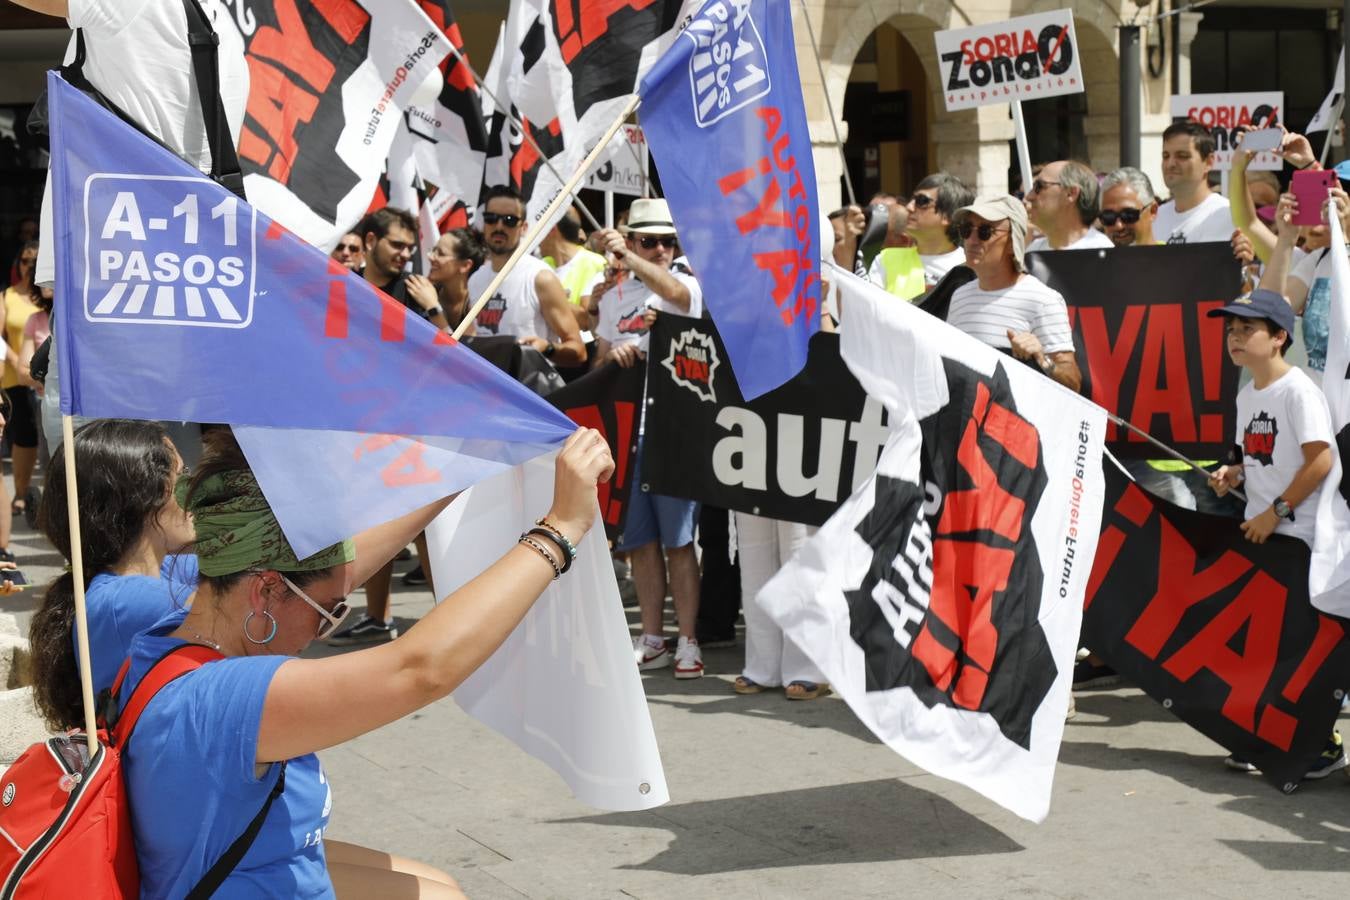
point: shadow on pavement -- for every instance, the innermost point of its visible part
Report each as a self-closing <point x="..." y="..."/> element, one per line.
<point x="869" y="821"/>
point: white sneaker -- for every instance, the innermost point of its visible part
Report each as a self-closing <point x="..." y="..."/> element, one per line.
<point x="688" y="659"/>
<point x="649" y="657"/>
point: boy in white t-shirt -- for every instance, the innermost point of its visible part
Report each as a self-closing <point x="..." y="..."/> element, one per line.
<point x="1284" y="430"/>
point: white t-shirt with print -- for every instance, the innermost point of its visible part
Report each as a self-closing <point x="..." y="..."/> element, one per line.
<point x="514" y="308"/>
<point x="623" y="308"/>
<point x="1210" y="220"/>
<point x="1029" y="305"/>
<point x="1092" y="240"/>
<point x="937" y="265"/>
<point x="137" y="55"/>
<point x="1273" y="424"/>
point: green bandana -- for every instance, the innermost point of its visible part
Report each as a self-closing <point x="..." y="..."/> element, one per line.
<point x="237" y="531"/>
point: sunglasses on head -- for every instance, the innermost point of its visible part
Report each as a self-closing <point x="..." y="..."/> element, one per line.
<point x="647" y="242"/>
<point x="983" y="232"/>
<point x="1128" y="216"/>
<point x="329" y="621"/>
<point x="506" y="219"/>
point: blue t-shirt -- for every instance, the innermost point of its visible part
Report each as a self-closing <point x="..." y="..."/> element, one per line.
<point x="181" y="573"/>
<point x="120" y="607"/>
<point x="190" y="771"/>
<point x="1317" y="323"/>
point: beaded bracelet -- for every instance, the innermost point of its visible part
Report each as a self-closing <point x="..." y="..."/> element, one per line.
<point x="539" y="548"/>
<point x="565" y="550"/>
<point x="569" y="548"/>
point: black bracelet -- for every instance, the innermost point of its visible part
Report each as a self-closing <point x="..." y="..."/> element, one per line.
<point x="564" y="546"/>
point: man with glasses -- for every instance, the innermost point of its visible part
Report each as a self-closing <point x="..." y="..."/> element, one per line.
<point x="1006" y="307"/>
<point x="389" y="236"/>
<point x="1128" y="208"/>
<point x="531" y="304"/>
<point x="1195" y="213"/>
<point x="932" y="226"/>
<point x="654" y="523"/>
<point x="1063" y="205"/>
<point x="349" y="251"/>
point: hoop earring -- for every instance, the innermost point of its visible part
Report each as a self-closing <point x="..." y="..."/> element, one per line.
<point x="271" y="634"/>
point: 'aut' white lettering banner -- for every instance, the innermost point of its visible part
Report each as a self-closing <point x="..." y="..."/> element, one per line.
<point x="1019" y="59"/>
<point x="943" y="600"/>
<point x="1225" y="114"/>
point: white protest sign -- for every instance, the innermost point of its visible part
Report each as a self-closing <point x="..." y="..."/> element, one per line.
<point x="623" y="169"/>
<point x="1223" y="114"/>
<point x="1019" y="59"/>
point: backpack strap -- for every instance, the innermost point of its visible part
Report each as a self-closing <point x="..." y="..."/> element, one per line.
<point x="174" y="664"/>
<point x="205" y="47"/>
<point x="217" y="874"/>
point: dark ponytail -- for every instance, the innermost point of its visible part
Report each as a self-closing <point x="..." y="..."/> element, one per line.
<point x="125" y="469"/>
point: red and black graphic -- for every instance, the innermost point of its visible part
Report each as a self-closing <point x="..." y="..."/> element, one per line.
<point x="1146" y="348"/>
<point x="1216" y="628"/>
<point x="490" y="316"/>
<point x="1258" y="438"/>
<point x="1005" y="58"/>
<point x="950" y="605"/>
<point x="459" y="97"/>
<point x="609" y="400"/>
<point x="602" y="41"/>
<point x="794" y="453"/>
<point x="299" y="56"/>
<point x="634" y="323"/>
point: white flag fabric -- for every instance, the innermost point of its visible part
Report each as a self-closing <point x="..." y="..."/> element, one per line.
<point x="1329" y="574"/>
<point x="1322" y="121"/>
<point x="943" y="600"/>
<point x="563" y="687"/>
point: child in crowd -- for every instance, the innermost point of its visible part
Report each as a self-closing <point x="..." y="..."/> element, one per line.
<point x="1284" y="431"/>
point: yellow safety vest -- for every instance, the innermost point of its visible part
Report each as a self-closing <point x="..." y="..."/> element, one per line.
<point x="904" y="271"/>
<point x="580" y="273"/>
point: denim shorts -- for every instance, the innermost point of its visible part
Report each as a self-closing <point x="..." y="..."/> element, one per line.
<point x="655" y="517"/>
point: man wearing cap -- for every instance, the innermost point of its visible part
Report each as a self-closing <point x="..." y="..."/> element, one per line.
<point x="531" y="304"/>
<point x="626" y="311"/>
<point x="1005" y="306"/>
<point x="1063" y="205"/>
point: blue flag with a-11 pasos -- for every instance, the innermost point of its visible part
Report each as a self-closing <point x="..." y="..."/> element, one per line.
<point x="723" y="115"/>
<point x="176" y="300"/>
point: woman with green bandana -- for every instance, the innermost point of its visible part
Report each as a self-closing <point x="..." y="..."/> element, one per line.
<point x="213" y="744"/>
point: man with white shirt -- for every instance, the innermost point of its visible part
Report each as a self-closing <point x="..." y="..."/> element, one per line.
<point x="1195" y="213"/>
<point x="1006" y="307"/>
<point x="1063" y="205"/>
<point x="531" y="304"/>
<point x="932" y="225"/>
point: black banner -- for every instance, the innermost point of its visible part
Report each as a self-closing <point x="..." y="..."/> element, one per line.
<point x="794" y="453"/>
<point x="1147" y="350"/>
<point x="1216" y="628"/>
<point x="608" y="400"/>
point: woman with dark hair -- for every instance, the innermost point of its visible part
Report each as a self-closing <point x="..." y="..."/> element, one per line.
<point x="214" y="743"/>
<point x="20" y="302"/>
<point x="456" y="256"/>
<point x="130" y="522"/>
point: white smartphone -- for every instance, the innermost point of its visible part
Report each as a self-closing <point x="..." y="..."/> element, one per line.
<point x="1265" y="139"/>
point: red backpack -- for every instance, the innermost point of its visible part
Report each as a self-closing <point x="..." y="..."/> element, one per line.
<point x="65" y="823"/>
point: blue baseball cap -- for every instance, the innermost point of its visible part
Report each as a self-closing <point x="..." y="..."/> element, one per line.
<point x="1261" y="304"/>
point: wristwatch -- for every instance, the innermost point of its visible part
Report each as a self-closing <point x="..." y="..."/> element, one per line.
<point x="1283" y="509"/>
<point x="432" y="312"/>
<point x="551" y="349"/>
<point x="1047" y="365"/>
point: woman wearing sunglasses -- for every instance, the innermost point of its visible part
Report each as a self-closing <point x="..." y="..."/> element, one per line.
<point x="130" y="523"/>
<point x="206" y="751"/>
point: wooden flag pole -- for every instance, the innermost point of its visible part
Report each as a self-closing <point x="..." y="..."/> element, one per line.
<point x="531" y="237"/>
<point x="829" y="104"/>
<point x="524" y="132"/>
<point x="77" y="574"/>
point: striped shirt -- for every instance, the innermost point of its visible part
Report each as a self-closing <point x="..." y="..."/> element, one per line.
<point x="1028" y="305"/>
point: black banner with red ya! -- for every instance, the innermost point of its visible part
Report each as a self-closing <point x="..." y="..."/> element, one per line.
<point x="1146" y="348"/>
<point x="1216" y="628"/>
<point x="609" y="400"/>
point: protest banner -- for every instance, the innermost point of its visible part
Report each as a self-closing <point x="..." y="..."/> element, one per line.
<point x="724" y="114"/>
<point x="609" y="399"/>
<point x="792" y="454"/>
<point x="943" y="600"/>
<point x="1217" y="629"/>
<point x="1026" y="58"/>
<point x="1146" y="348"/>
<point x="328" y="82"/>
<point x="625" y="172"/>
<point x="1224" y="114"/>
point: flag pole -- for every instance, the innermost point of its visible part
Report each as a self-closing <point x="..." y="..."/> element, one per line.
<point x="1023" y="151"/>
<point x="829" y="105"/>
<point x="1172" y="453"/>
<point x="77" y="574"/>
<point x="530" y="238"/>
<point x="524" y="132"/>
